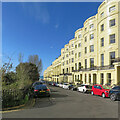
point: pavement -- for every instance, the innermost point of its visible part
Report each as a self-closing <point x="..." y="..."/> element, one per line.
<point x="68" y="104"/>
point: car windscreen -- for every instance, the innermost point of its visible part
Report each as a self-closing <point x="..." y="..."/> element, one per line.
<point x="90" y="87"/>
<point x="87" y="86"/>
<point x="65" y="84"/>
<point x="116" y="88"/>
<point x="106" y="87"/>
<point x="37" y="83"/>
<point x="42" y="81"/>
<point x="43" y="87"/>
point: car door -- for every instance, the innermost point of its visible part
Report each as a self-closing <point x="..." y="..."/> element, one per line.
<point x="78" y="87"/>
<point x="95" y="89"/>
<point x="99" y="90"/>
<point x="81" y="88"/>
<point x="65" y="86"/>
<point x="116" y="90"/>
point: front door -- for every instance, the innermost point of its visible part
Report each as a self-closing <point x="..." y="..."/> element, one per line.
<point x="94" y="79"/>
<point x="99" y="90"/>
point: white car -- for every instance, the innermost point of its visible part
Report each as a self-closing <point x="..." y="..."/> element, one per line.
<point x="84" y="88"/>
<point x="66" y="85"/>
<point x="60" y="85"/>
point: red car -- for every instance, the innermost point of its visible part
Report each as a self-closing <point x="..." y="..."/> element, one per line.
<point x="101" y="90"/>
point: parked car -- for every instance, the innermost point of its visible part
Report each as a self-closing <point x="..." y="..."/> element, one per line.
<point x="114" y="93"/>
<point x="50" y="83"/>
<point x="101" y="90"/>
<point x="60" y="84"/>
<point x="65" y="85"/>
<point x="72" y="87"/>
<point x="56" y="84"/>
<point x="53" y="83"/>
<point x="41" y="90"/>
<point x="84" y="88"/>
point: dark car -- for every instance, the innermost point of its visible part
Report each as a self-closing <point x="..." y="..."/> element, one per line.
<point x="114" y="93"/>
<point x="50" y="83"/>
<point x="72" y="87"/>
<point x="42" y="81"/>
<point x="41" y="90"/>
<point x="56" y="84"/>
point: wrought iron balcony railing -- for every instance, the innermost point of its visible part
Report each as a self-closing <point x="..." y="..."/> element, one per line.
<point x="95" y="68"/>
<point x="66" y="74"/>
<point x="55" y="75"/>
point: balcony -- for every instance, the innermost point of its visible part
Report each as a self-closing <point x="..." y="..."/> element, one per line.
<point x="55" y="75"/>
<point x="117" y="59"/>
<point x="66" y="74"/>
<point x="95" y="68"/>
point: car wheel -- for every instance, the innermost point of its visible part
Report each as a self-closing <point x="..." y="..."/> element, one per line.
<point x="48" y="95"/>
<point x="83" y="91"/>
<point x="103" y="95"/>
<point x="92" y="93"/>
<point x="113" y="97"/>
<point x="34" y="96"/>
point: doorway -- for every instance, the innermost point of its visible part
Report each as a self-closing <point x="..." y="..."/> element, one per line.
<point x="94" y="79"/>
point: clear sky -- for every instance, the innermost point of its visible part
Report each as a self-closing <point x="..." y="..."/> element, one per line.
<point x="41" y="28"/>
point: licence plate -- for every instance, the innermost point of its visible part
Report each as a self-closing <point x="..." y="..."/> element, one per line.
<point x="42" y="91"/>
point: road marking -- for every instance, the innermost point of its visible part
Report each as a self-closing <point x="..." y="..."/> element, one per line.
<point x="10" y="111"/>
<point x="53" y="98"/>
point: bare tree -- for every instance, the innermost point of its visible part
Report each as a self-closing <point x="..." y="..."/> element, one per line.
<point x="6" y="67"/>
<point x="20" y="58"/>
<point x="35" y="60"/>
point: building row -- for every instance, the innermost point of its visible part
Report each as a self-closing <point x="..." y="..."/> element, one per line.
<point x="93" y="55"/>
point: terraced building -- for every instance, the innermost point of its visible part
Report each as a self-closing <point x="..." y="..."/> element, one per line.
<point x="93" y="55"/>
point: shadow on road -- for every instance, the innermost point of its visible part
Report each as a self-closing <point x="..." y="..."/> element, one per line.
<point x="42" y="102"/>
<point x="56" y="95"/>
<point x="53" y="90"/>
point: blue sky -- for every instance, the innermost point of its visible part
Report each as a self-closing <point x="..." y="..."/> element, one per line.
<point x="41" y="28"/>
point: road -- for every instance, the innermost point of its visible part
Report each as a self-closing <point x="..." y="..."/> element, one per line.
<point x="68" y="104"/>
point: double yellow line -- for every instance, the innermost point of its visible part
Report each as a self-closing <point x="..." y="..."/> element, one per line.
<point x="12" y="109"/>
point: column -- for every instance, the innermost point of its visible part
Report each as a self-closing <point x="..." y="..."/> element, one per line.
<point x="87" y="78"/>
<point x="83" y="78"/>
<point x="92" y="77"/>
<point x="105" y="78"/>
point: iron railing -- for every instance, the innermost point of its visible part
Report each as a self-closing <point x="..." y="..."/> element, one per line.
<point x="95" y="68"/>
<point x="14" y="97"/>
<point x="66" y="74"/>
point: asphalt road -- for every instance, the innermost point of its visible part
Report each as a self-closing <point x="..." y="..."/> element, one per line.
<point x="68" y="104"/>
